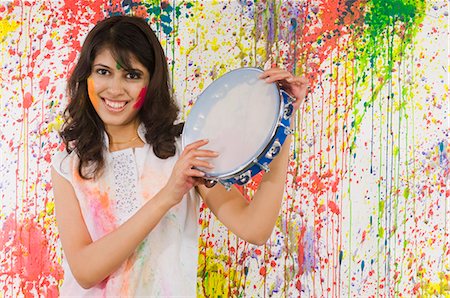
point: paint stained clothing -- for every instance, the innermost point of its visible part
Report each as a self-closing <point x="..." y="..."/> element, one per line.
<point x="165" y="263"/>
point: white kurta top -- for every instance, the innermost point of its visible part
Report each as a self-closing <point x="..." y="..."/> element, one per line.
<point x="165" y="264"/>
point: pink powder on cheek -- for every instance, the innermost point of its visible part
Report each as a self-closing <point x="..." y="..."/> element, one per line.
<point x="141" y="99"/>
<point x="95" y="100"/>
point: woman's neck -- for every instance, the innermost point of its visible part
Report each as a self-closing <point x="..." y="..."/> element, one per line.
<point x="123" y="136"/>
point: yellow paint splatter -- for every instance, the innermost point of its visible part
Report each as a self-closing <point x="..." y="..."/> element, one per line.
<point x="437" y="289"/>
<point x="7" y="27"/>
<point x="53" y="126"/>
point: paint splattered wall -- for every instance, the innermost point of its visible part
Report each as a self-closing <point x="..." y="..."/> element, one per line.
<point x="366" y="211"/>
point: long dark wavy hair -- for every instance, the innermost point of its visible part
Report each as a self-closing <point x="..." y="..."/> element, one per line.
<point x="83" y="130"/>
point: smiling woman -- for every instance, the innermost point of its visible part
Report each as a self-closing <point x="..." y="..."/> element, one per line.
<point x="127" y="197"/>
<point x="117" y="94"/>
<point x="117" y="60"/>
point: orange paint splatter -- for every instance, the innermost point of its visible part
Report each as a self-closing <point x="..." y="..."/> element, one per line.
<point x="95" y="100"/>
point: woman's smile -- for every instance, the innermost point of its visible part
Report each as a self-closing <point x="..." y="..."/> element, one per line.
<point x="114" y="106"/>
<point x="117" y="93"/>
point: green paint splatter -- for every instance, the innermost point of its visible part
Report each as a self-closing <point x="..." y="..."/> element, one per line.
<point x="390" y="23"/>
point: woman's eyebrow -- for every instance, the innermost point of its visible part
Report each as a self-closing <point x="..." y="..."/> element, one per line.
<point x="101" y="65"/>
<point x="128" y="70"/>
<point x="135" y="70"/>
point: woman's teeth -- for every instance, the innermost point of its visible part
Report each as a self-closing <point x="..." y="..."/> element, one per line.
<point x="115" y="104"/>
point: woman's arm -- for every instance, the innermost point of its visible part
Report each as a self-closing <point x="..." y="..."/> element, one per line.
<point x="254" y="221"/>
<point x="93" y="261"/>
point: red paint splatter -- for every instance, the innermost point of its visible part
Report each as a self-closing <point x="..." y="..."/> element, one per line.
<point x="319" y="41"/>
<point x="321" y="209"/>
<point x="27" y="100"/>
<point x="70" y="14"/>
<point x="317" y="186"/>
<point x="141" y="99"/>
<point x="301" y="252"/>
<point x="29" y="260"/>
<point x="262" y="271"/>
<point x="44" y="83"/>
<point x="48" y="157"/>
<point x="363" y="237"/>
<point x="333" y="207"/>
<point x="334" y="185"/>
<point x="49" y="44"/>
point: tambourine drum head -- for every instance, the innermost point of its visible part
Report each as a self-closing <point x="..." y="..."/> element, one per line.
<point x="237" y="113"/>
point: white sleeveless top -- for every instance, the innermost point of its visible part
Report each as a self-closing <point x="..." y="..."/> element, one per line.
<point x="165" y="263"/>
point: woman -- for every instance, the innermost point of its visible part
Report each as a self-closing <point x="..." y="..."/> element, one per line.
<point x="126" y="197"/>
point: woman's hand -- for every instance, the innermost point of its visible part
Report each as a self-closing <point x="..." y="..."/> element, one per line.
<point x="294" y="86"/>
<point x="185" y="174"/>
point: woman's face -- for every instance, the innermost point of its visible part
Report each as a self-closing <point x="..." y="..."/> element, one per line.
<point x="117" y="94"/>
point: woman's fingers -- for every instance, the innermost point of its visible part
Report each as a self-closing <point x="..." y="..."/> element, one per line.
<point x="194" y="145"/>
<point x="296" y="87"/>
<point x="281" y="77"/>
<point x="297" y="80"/>
<point x="192" y="172"/>
<point x="187" y="171"/>
<point x="195" y="158"/>
<point x="204" y="153"/>
<point x="200" y="163"/>
<point x="274" y="74"/>
<point x="194" y="150"/>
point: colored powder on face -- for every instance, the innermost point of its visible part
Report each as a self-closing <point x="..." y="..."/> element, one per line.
<point x="141" y="99"/>
<point x="95" y="100"/>
<point x="118" y="67"/>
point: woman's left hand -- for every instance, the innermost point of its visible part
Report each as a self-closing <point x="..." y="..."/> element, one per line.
<point x="294" y="86"/>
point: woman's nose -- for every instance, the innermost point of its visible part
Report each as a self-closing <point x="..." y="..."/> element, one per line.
<point x="116" y="86"/>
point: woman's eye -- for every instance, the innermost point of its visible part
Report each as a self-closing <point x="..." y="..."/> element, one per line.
<point x="102" y="71"/>
<point x="133" y="75"/>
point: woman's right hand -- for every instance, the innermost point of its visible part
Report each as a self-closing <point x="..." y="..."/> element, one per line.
<point x="185" y="174"/>
<point x="93" y="261"/>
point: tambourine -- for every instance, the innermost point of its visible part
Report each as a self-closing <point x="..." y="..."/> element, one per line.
<point x="246" y="121"/>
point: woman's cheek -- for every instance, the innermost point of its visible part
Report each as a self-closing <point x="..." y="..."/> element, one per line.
<point x="95" y="100"/>
<point x="141" y="99"/>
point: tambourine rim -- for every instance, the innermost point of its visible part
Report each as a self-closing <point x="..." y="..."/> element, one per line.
<point x="232" y="173"/>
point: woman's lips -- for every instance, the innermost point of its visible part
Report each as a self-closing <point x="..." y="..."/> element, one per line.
<point x="114" y="106"/>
